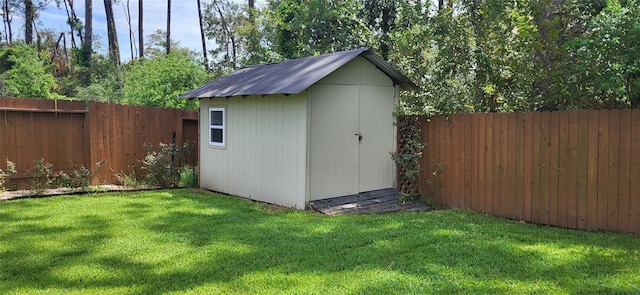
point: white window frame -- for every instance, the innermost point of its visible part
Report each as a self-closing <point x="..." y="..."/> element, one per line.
<point x="219" y="127"/>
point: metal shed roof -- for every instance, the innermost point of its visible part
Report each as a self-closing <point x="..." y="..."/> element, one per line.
<point x="291" y="76"/>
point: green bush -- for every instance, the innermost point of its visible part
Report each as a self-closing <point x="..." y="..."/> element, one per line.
<point x="163" y="168"/>
<point x="80" y="177"/>
<point x="41" y="176"/>
<point x="188" y="177"/>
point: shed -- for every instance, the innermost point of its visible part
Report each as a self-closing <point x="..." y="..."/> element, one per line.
<point x="300" y="130"/>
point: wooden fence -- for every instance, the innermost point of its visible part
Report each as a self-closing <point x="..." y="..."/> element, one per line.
<point x="72" y="133"/>
<point x="575" y="169"/>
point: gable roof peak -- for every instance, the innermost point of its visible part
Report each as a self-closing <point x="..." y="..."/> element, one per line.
<point x="291" y="76"/>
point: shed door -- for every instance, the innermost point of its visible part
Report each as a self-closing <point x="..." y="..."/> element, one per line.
<point x="375" y="124"/>
<point x="334" y="144"/>
<point x="341" y="163"/>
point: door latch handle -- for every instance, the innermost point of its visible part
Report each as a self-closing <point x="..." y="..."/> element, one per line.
<point x="359" y="136"/>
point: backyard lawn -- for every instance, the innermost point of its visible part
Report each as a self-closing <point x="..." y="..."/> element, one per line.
<point x="196" y="242"/>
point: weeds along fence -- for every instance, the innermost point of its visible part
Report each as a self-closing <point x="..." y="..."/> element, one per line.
<point x="73" y="133"/>
<point x="575" y="169"/>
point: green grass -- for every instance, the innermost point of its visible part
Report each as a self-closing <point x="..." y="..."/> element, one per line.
<point x="195" y="242"/>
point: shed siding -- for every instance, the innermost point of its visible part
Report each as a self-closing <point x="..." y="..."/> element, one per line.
<point x="265" y="155"/>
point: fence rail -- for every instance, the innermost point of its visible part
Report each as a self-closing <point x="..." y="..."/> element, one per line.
<point x="575" y="169"/>
<point x="73" y="133"/>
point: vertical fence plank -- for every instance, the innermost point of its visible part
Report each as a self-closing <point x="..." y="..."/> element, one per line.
<point x="614" y="170"/>
<point x="603" y="169"/>
<point x="30" y="145"/>
<point x="572" y="170"/>
<point x="35" y="137"/>
<point x="97" y="142"/>
<point x="592" y="172"/>
<point x="554" y="168"/>
<point x="505" y="180"/>
<point x="435" y="146"/>
<point x="536" y="159"/>
<point x="459" y="128"/>
<point x="563" y="181"/>
<point x="138" y="146"/>
<point x="515" y="167"/>
<point x="447" y="166"/>
<point x="489" y="162"/>
<point x="455" y="161"/>
<point x="119" y="111"/>
<point x="527" y="173"/>
<point x="448" y="163"/>
<point x="4" y="140"/>
<point x="482" y="149"/>
<point x="634" y="174"/>
<point x="582" y="169"/>
<point x="544" y="167"/>
<point x="469" y="157"/>
<point x="497" y="156"/>
<point x="624" y="179"/>
<point x="63" y="138"/>
<point x="519" y="166"/>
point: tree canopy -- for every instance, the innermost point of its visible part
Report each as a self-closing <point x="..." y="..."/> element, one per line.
<point x="466" y="55"/>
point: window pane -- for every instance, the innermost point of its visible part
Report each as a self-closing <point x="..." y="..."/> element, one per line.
<point x="216" y="118"/>
<point x="216" y="135"/>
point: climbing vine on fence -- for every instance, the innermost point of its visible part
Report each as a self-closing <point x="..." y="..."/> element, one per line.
<point x="407" y="158"/>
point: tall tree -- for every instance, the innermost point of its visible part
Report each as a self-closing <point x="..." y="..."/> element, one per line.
<point x="140" y="27"/>
<point x="221" y="18"/>
<point x="381" y="18"/>
<point x="132" y="42"/>
<point x="112" y="36"/>
<point x="156" y="46"/>
<point x="7" y="16"/>
<point x="168" y="26"/>
<point x="304" y="28"/>
<point x="74" y="22"/>
<point x="88" y="32"/>
<point x="204" y="40"/>
<point x="29" y="18"/>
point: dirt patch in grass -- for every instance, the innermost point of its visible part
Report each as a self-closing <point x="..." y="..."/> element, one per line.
<point x="20" y="194"/>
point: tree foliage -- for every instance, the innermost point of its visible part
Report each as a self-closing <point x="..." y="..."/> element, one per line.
<point x="466" y="55"/>
<point x="24" y="73"/>
<point x="159" y="81"/>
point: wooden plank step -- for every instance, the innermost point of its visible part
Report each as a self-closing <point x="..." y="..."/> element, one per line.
<point x="378" y="201"/>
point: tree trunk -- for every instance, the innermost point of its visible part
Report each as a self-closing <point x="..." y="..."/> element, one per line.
<point x="204" y="43"/>
<point x="140" y="26"/>
<point x="168" y="26"/>
<point x="29" y="16"/>
<point x="131" y="41"/>
<point x="88" y="31"/>
<point x="481" y="70"/>
<point x="112" y="36"/>
<point x="6" y="17"/>
<point x="70" y="21"/>
<point x="251" y="4"/>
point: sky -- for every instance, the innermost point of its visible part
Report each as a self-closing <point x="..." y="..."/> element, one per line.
<point x="184" y="22"/>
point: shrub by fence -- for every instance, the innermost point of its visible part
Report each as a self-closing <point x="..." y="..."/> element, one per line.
<point x="73" y="133"/>
<point x="575" y="169"/>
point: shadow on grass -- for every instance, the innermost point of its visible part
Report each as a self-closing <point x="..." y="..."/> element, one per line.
<point x="190" y="241"/>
